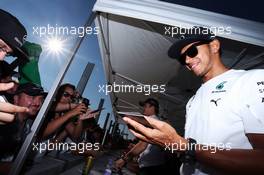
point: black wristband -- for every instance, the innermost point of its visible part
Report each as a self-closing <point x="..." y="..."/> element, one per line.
<point x="190" y="153"/>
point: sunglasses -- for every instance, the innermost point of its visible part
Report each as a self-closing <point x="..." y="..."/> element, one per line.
<point x="66" y="94"/>
<point x="192" y="51"/>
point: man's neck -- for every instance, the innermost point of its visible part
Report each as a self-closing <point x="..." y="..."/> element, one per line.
<point x="218" y="68"/>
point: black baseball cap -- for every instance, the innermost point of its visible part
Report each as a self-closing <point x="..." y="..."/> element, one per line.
<point x="12" y="32"/>
<point x="31" y="89"/>
<point x="188" y="36"/>
<point x="6" y="69"/>
<point x="152" y="102"/>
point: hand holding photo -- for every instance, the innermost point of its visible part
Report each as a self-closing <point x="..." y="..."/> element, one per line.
<point x="161" y="132"/>
<point x="90" y="114"/>
<point x="136" y="116"/>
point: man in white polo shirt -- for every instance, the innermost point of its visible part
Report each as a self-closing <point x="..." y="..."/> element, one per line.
<point x="224" y="130"/>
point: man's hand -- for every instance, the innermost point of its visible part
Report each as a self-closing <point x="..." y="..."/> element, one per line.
<point x="6" y="86"/>
<point x="162" y="134"/>
<point x="78" y="110"/>
<point x="10" y="108"/>
<point x="6" y="118"/>
<point x="7" y="110"/>
<point x="88" y="115"/>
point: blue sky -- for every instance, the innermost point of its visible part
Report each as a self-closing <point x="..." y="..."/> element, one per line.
<point x="36" y="13"/>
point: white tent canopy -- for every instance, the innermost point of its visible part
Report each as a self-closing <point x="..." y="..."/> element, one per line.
<point x="134" y="45"/>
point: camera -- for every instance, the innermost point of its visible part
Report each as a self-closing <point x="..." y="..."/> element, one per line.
<point x="79" y="100"/>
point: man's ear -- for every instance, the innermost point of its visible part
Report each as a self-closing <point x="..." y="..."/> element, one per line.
<point x="215" y="46"/>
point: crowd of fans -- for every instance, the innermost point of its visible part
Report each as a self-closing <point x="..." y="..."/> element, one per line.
<point x="69" y="118"/>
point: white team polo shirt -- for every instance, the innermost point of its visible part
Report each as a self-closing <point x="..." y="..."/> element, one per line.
<point x="225" y="108"/>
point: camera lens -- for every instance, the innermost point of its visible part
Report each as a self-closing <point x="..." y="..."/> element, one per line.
<point x="86" y="101"/>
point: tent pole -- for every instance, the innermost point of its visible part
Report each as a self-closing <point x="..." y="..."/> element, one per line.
<point x="106" y="121"/>
<point x="103" y="35"/>
<point x="106" y="132"/>
<point x="101" y="104"/>
<point x="85" y="78"/>
<point x="255" y="66"/>
<point x="254" y="58"/>
<point x="239" y="58"/>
